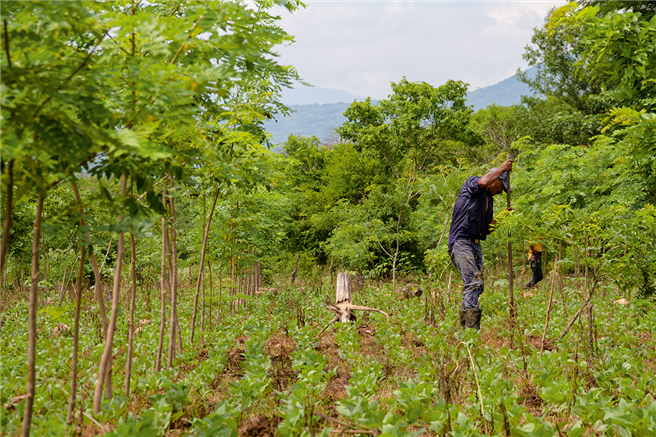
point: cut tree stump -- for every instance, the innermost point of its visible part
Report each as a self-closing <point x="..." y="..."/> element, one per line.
<point x="343" y="308"/>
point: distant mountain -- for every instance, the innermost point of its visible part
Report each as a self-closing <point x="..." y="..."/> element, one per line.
<point x="305" y="95"/>
<point x="318" y="111"/>
<point x="505" y="93"/>
<point x="308" y="120"/>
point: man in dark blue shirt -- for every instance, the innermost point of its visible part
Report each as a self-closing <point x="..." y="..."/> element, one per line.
<point x="472" y="216"/>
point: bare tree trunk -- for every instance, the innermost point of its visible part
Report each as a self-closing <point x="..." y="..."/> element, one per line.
<point x="45" y="258"/>
<point x="343" y="308"/>
<point x="64" y="283"/>
<point x="31" y="347"/>
<point x="247" y="282"/>
<point x="206" y="233"/>
<point x="109" y="246"/>
<point x="232" y="282"/>
<point x="174" y="283"/>
<point x="218" y="309"/>
<point x="209" y="270"/>
<point x="546" y="322"/>
<point x="78" y="303"/>
<point x="6" y="228"/>
<point x="128" y="364"/>
<point x="202" y="311"/>
<point x="106" y="360"/>
<point x="98" y="291"/>
<point x="76" y="334"/>
<point x="22" y="273"/>
<point x="330" y="269"/>
<point x="298" y="255"/>
<point x="162" y="321"/>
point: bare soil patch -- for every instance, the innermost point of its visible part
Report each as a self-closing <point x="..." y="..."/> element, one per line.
<point x="532" y="399"/>
<point x="257" y="426"/>
<point x="235" y="357"/>
<point x="278" y="347"/>
<point x="336" y="386"/>
<point x="535" y="341"/>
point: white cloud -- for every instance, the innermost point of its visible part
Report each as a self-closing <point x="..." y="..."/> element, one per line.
<point x="360" y="47"/>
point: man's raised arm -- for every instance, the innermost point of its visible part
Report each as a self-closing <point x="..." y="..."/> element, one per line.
<point x="488" y="179"/>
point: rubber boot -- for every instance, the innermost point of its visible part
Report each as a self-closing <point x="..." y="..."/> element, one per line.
<point x="473" y="318"/>
<point x="462" y="318"/>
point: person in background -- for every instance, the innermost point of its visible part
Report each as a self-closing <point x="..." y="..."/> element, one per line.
<point x="535" y="261"/>
<point x="471" y="222"/>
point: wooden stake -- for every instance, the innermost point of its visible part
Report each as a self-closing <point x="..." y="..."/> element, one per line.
<point x="513" y="310"/>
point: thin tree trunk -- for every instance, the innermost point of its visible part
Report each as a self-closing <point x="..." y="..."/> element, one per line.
<point x="64" y="286"/>
<point x="128" y="364"/>
<point x="232" y="281"/>
<point x="62" y="290"/>
<point x="209" y="269"/>
<point x="31" y="346"/>
<point x="218" y="308"/>
<point x="448" y="290"/>
<point x="45" y="259"/>
<point x="78" y="304"/>
<point x="206" y="233"/>
<point x="202" y="312"/>
<point x="6" y="229"/>
<point x="109" y="246"/>
<point x="179" y="332"/>
<point x="98" y="290"/>
<point x="99" y="293"/>
<point x="202" y="318"/>
<point x="247" y="282"/>
<point x="76" y="334"/>
<point x="16" y="285"/>
<point x="174" y="282"/>
<point x="22" y="273"/>
<point x="298" y="255"/>
<point x="162" y="321"/>
<point x="546" y="322"/>
<point x="106" y="361"/>
<point x="330" y="269"/>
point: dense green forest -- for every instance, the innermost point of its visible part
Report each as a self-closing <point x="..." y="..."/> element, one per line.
<point x="166" y="267"/>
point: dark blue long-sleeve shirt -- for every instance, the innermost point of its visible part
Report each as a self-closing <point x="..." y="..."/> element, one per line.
<point x="470" y="219"/>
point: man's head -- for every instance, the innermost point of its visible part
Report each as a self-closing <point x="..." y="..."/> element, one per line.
<point x="500" y="185"/>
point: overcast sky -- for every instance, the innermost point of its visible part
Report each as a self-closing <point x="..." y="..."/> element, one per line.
<point x="362" y="46"/>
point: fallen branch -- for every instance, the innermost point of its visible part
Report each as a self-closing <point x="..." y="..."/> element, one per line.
<point x="576" y="316"/>
<point x="349" y="426"/>
<point x="95" y="422"/>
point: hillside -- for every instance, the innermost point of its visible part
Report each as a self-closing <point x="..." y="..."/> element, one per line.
<point x="328" y="106"/>
<point x="308" y="120"/>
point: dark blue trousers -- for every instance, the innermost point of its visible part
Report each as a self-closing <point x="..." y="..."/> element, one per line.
<point x="467" y="256"/>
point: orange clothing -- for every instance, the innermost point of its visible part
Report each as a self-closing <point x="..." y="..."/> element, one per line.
<point x="534" y="249"/>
